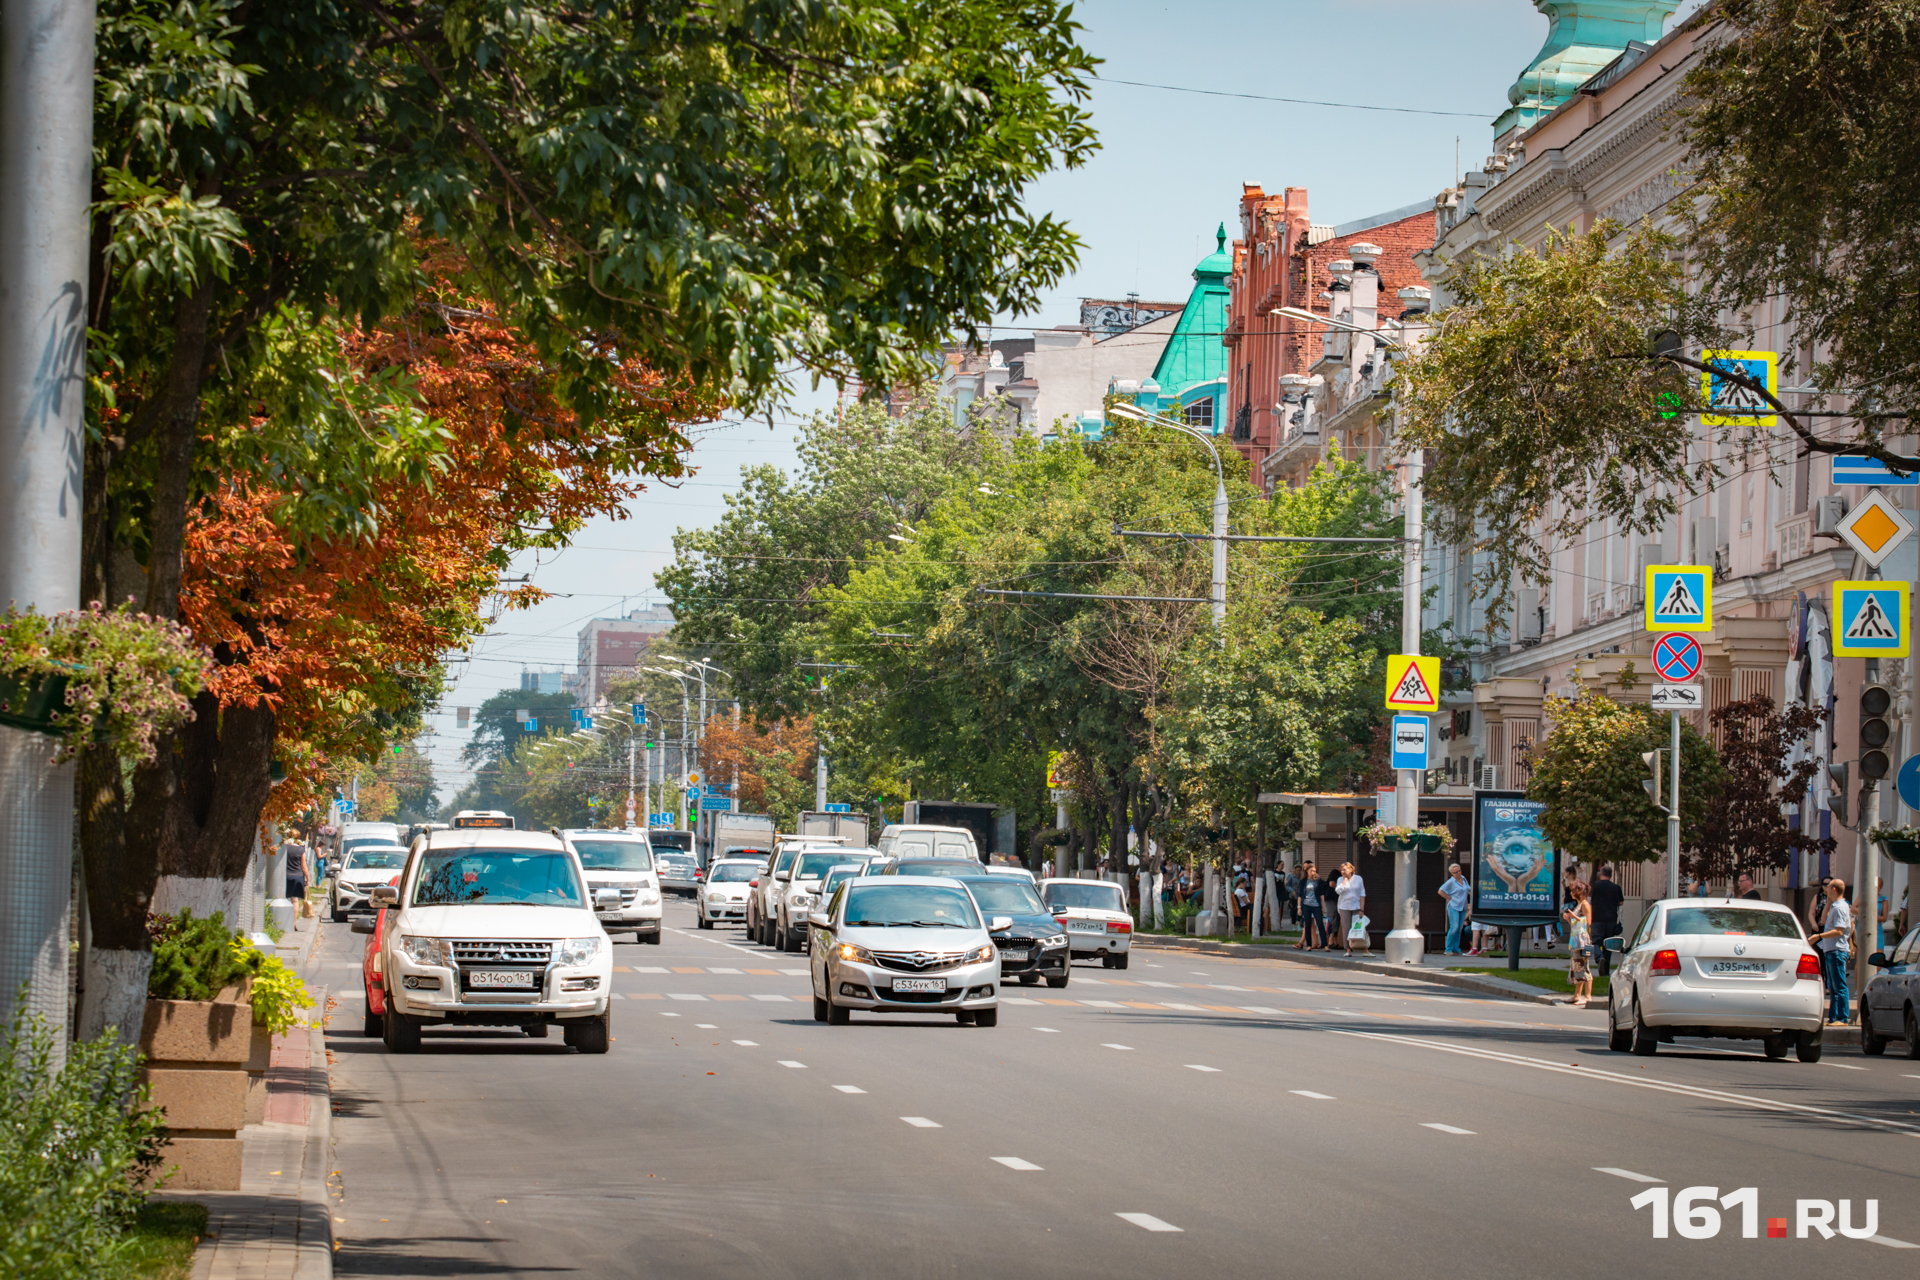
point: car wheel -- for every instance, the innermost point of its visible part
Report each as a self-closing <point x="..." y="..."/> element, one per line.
<point x="703" y="923"/>
<point x="536" y="1030"/>
<point x="796" y="940"/>
<point x="1807" y="1046"/>
<point x="1057" y="983"/>
<point x="1645" y="1041"/>
<point x="339" y="916"/>
<point x="1775" y="1047"/>
<point x="986" y="1018"/>
<point x="1913" y="1034"/>
<point x="838" y="1015"/>
<point x="1872" y="1043"/>
<point x="1619" y="1038"/>
<point x="1120" y="961"/>
<point x="819" y="1009"/>
<point x="591" y="1036"/>
<point x="653" y="939"/>
<point x="1029" y="979"/>
<point x="403" y="1033"/>
<point x="1106" y="960"/>
<point x="370" y="1027"/>
<point x="779" y="938"/>
<point x="965" y="1017"/>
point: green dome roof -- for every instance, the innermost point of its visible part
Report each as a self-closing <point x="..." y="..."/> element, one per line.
<point x="1218" y="263"/>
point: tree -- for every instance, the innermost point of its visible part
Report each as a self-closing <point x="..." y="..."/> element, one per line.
<point x="1588" y="772"/>
<point x="769" y="766"/>
<point x="1746" y="826"/>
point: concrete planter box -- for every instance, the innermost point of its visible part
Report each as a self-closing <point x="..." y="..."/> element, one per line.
<point x="198" y="1053"/>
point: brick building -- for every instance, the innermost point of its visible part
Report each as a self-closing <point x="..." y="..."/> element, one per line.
<point x="612" y="647"/>
<point x="1284" y="259"/>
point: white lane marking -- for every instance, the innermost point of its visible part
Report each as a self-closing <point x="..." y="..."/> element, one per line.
<point x="1308" y="1093"/>
<point x="1126" y="1048"/>
<point x="789" y="1062"/>
<point x="1628" y="1174"/>
<point x="1195" y="1066"/>
<point x="780" y="998"/>
<point x="1092" y="982"/>
<point x="1260" y="1008"/>
<point x="665" y="1013"/>
<point x="1910" y="1077"/>
<point x="1300" y="991"/>
<point x="1015" y="1162"/>
<point x="849" y="1088"/>
<point x="756" y="952"/>
<point x="1841" y="1066"/>
<point x="1196" y="973"/>
<point x="1159" y="984"/>
<point x="795" y="973"/>
<point x="711" y="969"/>
<point x="1368" y="995"/>
<point x="1017" y="1000"/>
<point x="1891" y="1243"/>
<point x="706" y="1026"/>
<point x="921" y="1122"/>
<point x="651" y="968"/>
<point x="1049" y="1030"/>
<point x="1148" y="1221"/>
<point x="748" y="1044"/>
<point x="1447" y="1128"/>
<point x="1185" y="1008"/>
<point x="1221" y="986"/>
<point x="1664" y="1086"/>
<point x="1103" y="1004"/>
<point x="1427" y="1017"/>
<point x="681" y="995"/>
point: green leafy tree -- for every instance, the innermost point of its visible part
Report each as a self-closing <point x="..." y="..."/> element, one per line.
<point x="1588" y="772"/>
<point x="1747" y="827"/>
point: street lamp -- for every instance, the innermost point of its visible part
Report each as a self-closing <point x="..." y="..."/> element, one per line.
<point x="682" y="677"/>
<point x="1137" y="414"/>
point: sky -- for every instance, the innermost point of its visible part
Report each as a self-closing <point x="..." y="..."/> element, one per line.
<point x="1169" y="172"/>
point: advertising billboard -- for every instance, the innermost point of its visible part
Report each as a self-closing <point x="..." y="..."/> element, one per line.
<point x="1516" y="869"/>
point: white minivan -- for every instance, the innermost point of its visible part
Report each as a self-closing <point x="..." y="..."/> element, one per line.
<point x="621" y="860"/>
<point x="900" y="840"/>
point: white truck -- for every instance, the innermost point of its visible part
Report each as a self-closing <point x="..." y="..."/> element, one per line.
<point x="722" y="833"/>
<point x="850" y="828"/>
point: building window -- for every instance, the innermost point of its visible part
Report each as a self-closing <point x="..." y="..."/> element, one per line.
<point x="1199" y="413"/>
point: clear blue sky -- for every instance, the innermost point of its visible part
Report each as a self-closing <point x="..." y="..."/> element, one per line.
<point x="1169" y="172"/>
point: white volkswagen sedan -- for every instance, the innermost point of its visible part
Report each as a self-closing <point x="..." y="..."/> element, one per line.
<point x="1727" y="968"/>
<point x="495" y="929"/>
<point x="365" y="866"/>
<point x="1094" y="914"/>
<point x="905" y="944"/>
<point x="722" y="896"/>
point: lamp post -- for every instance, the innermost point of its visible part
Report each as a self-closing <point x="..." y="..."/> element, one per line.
<point x="1136" y="414"/>
<point x="1405" y="944"/>
<point x="686" y="822"/>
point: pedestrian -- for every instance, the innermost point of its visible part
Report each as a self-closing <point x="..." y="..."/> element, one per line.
<point x="1311" y="920"/>
<point x="1457" y="892"/>
<point x="1604" y="899"/>
<point x="296" y="874"/>
<point x="1579" y="922"/>
<point x="1351" y="893"/>
<point x="1880" y="914"/>
<point x="1818" y="906"/>
<point x="1746" y="886"/>
<point x="1835" y="941"/>
<point x="1242" y="903"/>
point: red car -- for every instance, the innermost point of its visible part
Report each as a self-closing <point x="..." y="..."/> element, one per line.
<point x="370" y="979"/>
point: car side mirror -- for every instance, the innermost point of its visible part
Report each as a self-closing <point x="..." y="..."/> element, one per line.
<point x="781" y="877"/>
<point x="383" y="895"/>
<point x="362" y="924"/>
<point x="1614" y="944"/>
<point x="1060" y="911"/>
<point x="1878" y="960"/>
<point x="818" y="919"/>
<point x="606" y="899"/>
<point x="754" y="883"/>
<point x="999" y="924"/>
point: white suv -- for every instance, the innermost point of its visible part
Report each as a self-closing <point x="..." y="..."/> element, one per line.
<point x="494" y="928"/>
<point x="621" y="860"/>
<point x="800" y="896"/>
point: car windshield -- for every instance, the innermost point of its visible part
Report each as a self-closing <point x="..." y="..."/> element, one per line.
<point x="375" y="860"/>
<point x="1006" y="895"/>
<point x="733" y="872"/>
<point x="937" y="867"/>
<point x="498" y="877"/>
<point x="835" y="878"/>
<point x="361" y="842"/>
<point x="811" y="866"/>
<point x="925" y="906"/>
<point x="1732" y="921"/>
<point x="681" y="840"/>
<point x="614" y="855"/>
<point x="1091" y="897"/>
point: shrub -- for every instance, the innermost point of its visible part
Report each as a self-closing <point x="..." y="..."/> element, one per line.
<point x="75" y="1141"/>
<point x="197" y="958"/>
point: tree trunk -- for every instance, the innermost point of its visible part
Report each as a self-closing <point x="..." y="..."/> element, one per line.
<point x="179" y="418"/>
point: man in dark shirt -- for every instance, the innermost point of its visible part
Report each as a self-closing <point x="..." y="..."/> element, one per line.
<point x="1606" y="899"/>
<point x="1746" y="886"/>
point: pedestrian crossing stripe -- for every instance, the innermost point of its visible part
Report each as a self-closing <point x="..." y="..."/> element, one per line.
<point x="1679" y="597"/>
<point x="1413" y="683"/>
<point x="1871" y="619"/>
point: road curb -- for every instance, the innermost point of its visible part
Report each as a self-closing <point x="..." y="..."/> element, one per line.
<point x="1464" y="981"/>
<point x="317" y="1244"/>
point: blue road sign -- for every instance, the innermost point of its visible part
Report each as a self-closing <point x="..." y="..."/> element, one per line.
<point x="1909" y="780"/>
<point x="1676" y="657"/>
<point x="531" y="726"/>
<point x="640" y="713"/>
<point x="1853" y="469"/>
<point x="1679" y="597"/>
<point x="1870" y="619"/>
<point x="838" y="808"/>
<point x="715" y="803"/>
<point x="1410" y="735"/>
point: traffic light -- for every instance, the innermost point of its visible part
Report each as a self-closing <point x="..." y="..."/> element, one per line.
<point x="1652" y="782"/>
<point x="1875" y="733"/>
<point x="1837" y="800"/>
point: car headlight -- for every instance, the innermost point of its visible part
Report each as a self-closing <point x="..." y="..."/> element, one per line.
<point x="427" y="951"/>
<point x="980" y="955"/>
<point x="1057" y="940"/>
<point x="848" y="951"/>
<point x="647" y="897"/>
<point x="801" y="900"/>
<point x="578" y="950"/>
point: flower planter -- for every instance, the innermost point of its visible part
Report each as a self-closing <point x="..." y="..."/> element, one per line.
<point x="1399" y="844"/>
<point x="197" y="1054"/>
<point x="1907" y="851"/>
<point x="30" y="702"/>
<point x="1426" y="844"/>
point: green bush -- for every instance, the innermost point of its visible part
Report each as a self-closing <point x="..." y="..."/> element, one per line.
<point x="75" y="1140"/>
<point x="193" y="959"/>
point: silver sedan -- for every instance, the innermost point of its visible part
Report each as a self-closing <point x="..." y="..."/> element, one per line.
<point x="905" y="944"/>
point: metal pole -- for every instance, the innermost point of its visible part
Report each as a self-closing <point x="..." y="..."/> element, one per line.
<point x="46" y="171"/>
<point x="1866" y="901"/>
<point x="1220" y="560"/>
<point x="820" y="777"/>
<point x="686" y="820"/>
<point x="1673" y="810"/>
<point x="1406" y="944"/>
<point x="631" y="745"/>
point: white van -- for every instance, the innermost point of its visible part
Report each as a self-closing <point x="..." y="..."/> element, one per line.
<point x="900" y="840"/>
<point x="621" y="860"/>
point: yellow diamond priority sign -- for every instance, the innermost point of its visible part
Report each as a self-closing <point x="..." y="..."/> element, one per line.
<point x="1874" y="528"/>
<point x="1413" y="683"/>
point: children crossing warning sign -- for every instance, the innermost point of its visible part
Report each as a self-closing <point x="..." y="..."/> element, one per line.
<point x="1870" y="619"/>
<point x="1679" y="597"/>
<point x="1413" y="683"/>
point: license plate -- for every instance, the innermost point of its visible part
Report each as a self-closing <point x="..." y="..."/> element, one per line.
<point x="908" y="985"/>
<point x="500" y="978"/>
<point x="1087" y="926"/>
<point x="1739" y="966"/>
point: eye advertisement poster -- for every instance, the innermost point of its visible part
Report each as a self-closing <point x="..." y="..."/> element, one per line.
<point x="1516" y="870"/>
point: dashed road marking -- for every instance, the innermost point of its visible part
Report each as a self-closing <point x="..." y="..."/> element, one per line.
<point x="713" y="970"/>
<point x="783" y="999"/>
<point x="921" y="1122"/>
<point x="683" y="995"/>
<point x="1049" y="1030"/>
<point x="1195" y="1066"/>
<point x="705" y="1026"/>
<point x="788" y="1062"/>
<point x="1446" y="1128"/>
<point x="1628" y="1174"/>
<point x="849" y="1088"/>
<point x="1015" y="1162"/>
<point x="1308" y="1093"/>
<point x="1124" y="1047"/>
<point x="1148" y="1221"/>
<point x="748" y="1044"/>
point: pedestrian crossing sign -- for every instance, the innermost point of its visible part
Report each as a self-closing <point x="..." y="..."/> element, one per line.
<point x="1413" y="683"/>
<point x="1870" y="619"/>
<point x="1679" y="597"/>
<point x="1733" y="403"/>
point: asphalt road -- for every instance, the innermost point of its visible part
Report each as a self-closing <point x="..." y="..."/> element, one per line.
<point x="1249" y="1116"/>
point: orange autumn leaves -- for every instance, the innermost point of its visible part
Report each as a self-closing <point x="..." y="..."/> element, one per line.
<point x="341" y="633"/>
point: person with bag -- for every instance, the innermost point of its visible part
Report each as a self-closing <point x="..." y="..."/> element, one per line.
<point x="1835" y="941"/>
<point x="1579" y="921"/>
<point x="1351" y="893"/>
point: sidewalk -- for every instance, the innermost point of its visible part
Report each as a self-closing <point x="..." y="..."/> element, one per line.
<point x="279" y="1225"/>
